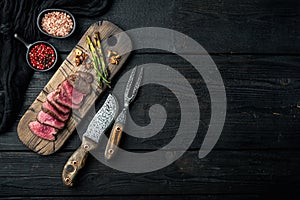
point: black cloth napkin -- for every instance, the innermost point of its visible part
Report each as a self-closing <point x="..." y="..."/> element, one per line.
<point x="20" y="17"/>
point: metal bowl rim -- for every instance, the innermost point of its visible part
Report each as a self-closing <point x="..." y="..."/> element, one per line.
<point x="27" y="54"/>
<point x="55" y="9"/>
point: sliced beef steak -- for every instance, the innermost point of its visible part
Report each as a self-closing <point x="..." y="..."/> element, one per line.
<point x="79" y="83"/>
<point x="43" y="131"/>
<point x="88" y="77"/>
<point x="50" y="99"/>
<point x="48" y="119"/>
<point x="56" y="110"/>
<point x="48" y="108"/>
<point x="63" y="99"/>
<point x="72" y="93"/>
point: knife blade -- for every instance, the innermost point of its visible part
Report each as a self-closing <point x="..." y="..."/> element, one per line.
<point x="97" y="127"/>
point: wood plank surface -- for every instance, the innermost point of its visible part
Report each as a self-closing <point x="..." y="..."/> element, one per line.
<point x="68" y="67"/>
<point x="255" y="45"/>
<point x="252" y="172"/>
<point x="147" y="197"/>
<point x="220" y="26"/>
<point x="255" y="118"/>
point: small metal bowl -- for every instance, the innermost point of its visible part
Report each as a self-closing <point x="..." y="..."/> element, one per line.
<point x="29" y="47"/>
<point x="41" y="15"/>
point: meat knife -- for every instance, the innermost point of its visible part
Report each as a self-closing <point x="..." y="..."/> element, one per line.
<point x="90" y="139"/>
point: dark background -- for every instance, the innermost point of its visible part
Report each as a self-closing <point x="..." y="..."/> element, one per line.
<point x="255" y="44"/>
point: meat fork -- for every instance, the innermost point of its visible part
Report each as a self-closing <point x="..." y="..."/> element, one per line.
<point x="117" y="130"/>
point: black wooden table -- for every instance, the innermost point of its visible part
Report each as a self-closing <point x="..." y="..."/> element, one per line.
<point x="255" y="45"/>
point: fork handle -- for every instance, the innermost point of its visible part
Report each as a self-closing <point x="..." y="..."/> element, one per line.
<point x="114" y="140"/>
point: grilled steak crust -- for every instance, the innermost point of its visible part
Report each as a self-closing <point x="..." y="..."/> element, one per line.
<point x="60" y="108"/>
<point x="48" y="108"/>
<point x="56" y="110"/>
<point x="49" y="120"/>
<point x="88" y="77"/>
<point x="79" y="83"/>
<point x="62" y="98"/>
<point x="42" y="131"/>
<point x="75" y="96"/>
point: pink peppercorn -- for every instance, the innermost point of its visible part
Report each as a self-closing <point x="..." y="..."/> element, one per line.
<point x="41" y="56"/>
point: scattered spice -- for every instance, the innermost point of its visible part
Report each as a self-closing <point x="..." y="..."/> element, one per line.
<point x="77" y="61"/>
<point x="57" y="23"/>
<point x="114" y="57"/>
<point x="80" y="57"/>
<point x="42" y="56"/>
<point x="78" y="52"/>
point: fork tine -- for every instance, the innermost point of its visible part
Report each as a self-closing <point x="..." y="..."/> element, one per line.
<point x="137" y="85"/>
<point x="129" y="83"/>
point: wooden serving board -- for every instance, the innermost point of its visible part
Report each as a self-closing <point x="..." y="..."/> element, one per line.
<point x="122" y="44"/>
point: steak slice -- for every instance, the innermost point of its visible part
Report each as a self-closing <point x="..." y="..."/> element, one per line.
<point x="42" y="131"/>
<point x="79" y="83"/>
<point x="50" y="99"/>
<point x="49" y="120"/>
<point x="72" y="93"/>
<point x="61" y="97"/>
<point x="88" y="77"/>
<point x="48" y="108"/>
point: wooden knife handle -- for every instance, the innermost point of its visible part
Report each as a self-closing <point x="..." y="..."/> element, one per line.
<point x="76" y="162"/>
<point x="114" y="140"/>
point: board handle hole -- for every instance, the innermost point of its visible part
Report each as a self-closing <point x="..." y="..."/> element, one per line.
<point x="112" y="40"/>
<point x="70" y="168"/>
